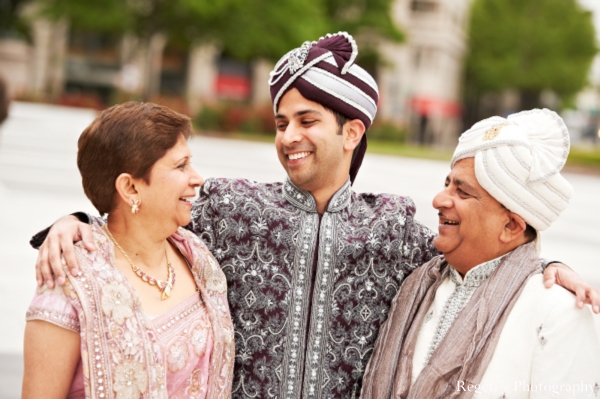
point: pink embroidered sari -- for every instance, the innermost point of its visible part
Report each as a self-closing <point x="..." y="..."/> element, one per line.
<point x="185" y="352"/>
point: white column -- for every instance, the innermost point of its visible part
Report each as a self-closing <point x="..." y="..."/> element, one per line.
<point x="260" y="81"/>
<point x="14" y="66"/>
<point x="156" y="46"/>
<point x="41" y="30"/>
<point x="58" y="58"/>
<point x="202" y="75"/>
<point x="132" y="60"/>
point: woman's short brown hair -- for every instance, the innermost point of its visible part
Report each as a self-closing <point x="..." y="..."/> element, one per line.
<point x="125" y="138"/>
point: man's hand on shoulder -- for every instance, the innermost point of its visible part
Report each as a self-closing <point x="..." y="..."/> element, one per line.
<point x="565" y="277"/>
<point x="57" y="246"/>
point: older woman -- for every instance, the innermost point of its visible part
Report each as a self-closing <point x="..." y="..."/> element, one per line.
<point x="148" y="315"/>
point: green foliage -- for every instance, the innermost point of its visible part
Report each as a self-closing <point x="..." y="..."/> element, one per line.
<point x="12" y="25"/>
<point x="368" y="21"/>
<point x="270" y="28"/>
<point x="236" y="117"/>
<point x="209" y="118"/>
<point x="176" y="18"/>
<point x="529" y="45"/>
<point x="587" y="157"/>
<point x="387" y="131"/>
<point x="363" y="17"/>
<point x="407" y="150"/>
<point x="92" y="15"/>
<point x="244" y="29"/>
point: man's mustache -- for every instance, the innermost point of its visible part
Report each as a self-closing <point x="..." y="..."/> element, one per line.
<point x="300" y="148"/>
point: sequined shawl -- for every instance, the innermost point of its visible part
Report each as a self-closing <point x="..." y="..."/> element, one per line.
<point x="109" y="311"/>
<point x="467" y="348"/>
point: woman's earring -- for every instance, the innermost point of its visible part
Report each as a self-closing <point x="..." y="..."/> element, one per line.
<point x="135" y="206"/>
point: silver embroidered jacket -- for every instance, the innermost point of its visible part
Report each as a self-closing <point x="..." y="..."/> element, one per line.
<point x="307" y="293"/>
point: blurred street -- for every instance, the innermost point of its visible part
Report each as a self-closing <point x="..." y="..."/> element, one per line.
<point x="39" y="182"/>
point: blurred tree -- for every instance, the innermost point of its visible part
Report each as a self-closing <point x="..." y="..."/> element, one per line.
<point x="245" y="29"/>
<point x="152" y="22"/>
<point x="528" y="46"/>
<point x="267" y="28"/>
<point x="242" y="29"/>
<point x="270" y="28"/>
<point x="11" y="23"/>
<point x="368" y="21"/>
<point x="362" y="16"/>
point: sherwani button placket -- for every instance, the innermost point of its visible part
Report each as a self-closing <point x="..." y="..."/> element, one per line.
<point x="295" y="346"/>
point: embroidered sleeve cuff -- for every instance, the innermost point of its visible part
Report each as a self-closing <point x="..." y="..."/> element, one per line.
<point x="546" y="262"/>
<point x="38" y="239"/>
<point x="68" y="322"/>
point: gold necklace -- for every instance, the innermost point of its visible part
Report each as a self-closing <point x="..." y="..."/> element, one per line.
<point x="163" y="286"/>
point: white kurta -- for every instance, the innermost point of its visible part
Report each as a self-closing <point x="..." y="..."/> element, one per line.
<point x="547" y="349"/>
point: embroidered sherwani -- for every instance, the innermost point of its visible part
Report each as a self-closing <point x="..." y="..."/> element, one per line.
<point x="307" y="292"/>
<point x="547" y="348"/>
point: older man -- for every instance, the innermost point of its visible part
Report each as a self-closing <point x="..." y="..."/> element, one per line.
<point x="311" y="265"/>
<point x="476" y="320"/>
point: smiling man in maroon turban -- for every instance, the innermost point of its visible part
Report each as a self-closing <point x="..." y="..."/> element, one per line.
<point x="324" y="72"/>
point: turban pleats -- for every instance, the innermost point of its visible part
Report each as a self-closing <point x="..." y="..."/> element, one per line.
<point x="518" y="162"/>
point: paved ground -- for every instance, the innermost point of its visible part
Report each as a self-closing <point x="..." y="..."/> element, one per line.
<point x="39" y="182"/>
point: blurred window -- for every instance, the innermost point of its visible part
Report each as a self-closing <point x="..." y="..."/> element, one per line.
<point x="418" y="56"/>
<point x="233" y="81"/>
<point x="424" y="6"/>
<point x="426" y="57"/>
<point x="95" y="48"/>
<point x="173" y="77"/>
<point x="92" y="67"/>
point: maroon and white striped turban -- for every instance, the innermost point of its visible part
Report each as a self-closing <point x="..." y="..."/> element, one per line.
<point x="325" y="72"/>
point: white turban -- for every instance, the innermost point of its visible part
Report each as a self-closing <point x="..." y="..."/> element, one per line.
<point x="518" y="162"/>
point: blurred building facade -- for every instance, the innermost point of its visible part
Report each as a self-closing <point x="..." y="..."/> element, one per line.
<point x="419" y="82"/>
<point x="37" y="68"/>
<point x="421" y="85"/>
<point x="584" y="120"/>
<point x="93" y="69"/>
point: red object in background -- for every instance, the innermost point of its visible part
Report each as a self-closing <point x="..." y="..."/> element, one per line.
<point x="81" y="100"/>
<point x="233" y="87"/>
<point x="430" y="106"/>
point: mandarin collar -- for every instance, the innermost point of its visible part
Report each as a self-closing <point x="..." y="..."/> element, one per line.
<point x="476" y="275"/>
<point x="304" y="200"/>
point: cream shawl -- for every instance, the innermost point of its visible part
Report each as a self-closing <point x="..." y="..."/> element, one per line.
<point x="467" y="348"/>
